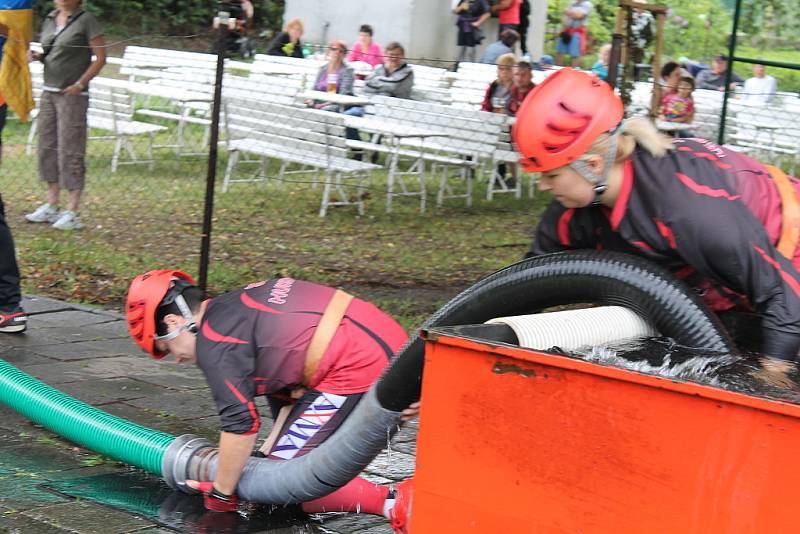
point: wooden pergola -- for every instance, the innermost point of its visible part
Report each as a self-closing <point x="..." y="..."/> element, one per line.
<point x="621" y="37"/>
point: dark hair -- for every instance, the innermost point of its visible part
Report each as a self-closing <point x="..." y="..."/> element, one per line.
<point x="194" y="297"/>
<point x="687" y="79"/>
<point x="394" y="45"/>
<point x="524" y="65"/>
<point x="669" y="68"/>
<point x="720" y="57"/>
<point x="509" y="37"/>
<point x="365" y="28"/>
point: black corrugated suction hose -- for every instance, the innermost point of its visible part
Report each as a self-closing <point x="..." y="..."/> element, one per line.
<point x="583" y="276"/>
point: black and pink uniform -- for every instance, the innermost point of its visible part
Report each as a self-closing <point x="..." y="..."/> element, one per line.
<point x="253" y="342"/>
<point x="711" y="215"/>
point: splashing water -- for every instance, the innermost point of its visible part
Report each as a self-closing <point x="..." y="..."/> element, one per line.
<point x="665" y="358"/>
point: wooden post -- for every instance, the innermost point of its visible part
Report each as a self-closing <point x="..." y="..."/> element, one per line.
<point x="655" y="105"/>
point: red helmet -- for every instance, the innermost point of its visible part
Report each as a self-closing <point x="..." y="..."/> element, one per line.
<point x="561" y="118"/>
<point x="144" y="295"/>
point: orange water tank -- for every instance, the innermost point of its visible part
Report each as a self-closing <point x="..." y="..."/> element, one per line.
<point x="514" y="440"/>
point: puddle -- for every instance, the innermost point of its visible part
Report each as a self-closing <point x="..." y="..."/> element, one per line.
<point x="139" y="494"/>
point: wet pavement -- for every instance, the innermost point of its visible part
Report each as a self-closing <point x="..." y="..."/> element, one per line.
<point x="49" y="485"/>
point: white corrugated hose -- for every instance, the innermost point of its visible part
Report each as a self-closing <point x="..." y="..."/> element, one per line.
<point x="574" y="329"/>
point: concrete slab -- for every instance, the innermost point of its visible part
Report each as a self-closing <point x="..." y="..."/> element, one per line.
<point x="98" y="392"/>
<point x="205" y="427"/>
<point x="13" y="522"/>
<point x="34" y="305"/>
<point x="83" y="350"/>
<point x="18" y="356"/>
<point x="88" y="518"/>
<point x="350" y="522"/>
<point x="183" y="404"/>
<point x="72" y="317"/>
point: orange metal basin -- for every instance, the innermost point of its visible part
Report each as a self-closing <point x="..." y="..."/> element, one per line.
<point x="514" y="440"/>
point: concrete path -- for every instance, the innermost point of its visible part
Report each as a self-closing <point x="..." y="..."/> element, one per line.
<point x="49" y="485"/>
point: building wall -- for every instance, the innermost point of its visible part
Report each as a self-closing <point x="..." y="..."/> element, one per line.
<point x="340" y="19"/>
<point x="426" y="28"/>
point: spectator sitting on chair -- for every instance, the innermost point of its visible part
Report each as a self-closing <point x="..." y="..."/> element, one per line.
<point x="678" y="106"/>
<point x="394" y="78"/>
<point x="715" y="77"/>
<point x="471" y="14"/>
<point x="334" y="77"/>
<point x="287" y="43"/>
<point x="601" y="66"/>
<point x="761" y="87"/>
<point x="499" y="91"/>
<point x="507" y="12"/>
<point x="572" y="40"/>
<point x="671" y="73"/>
<point x="692" y="67"/>
<point x="546" y="62"/>
<point x="365" y="49"/>
<point x="523" y="84"/>
<point x="505" y="45"/>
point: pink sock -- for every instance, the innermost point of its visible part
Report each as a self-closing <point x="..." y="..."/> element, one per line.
<point x="358" y="495"/>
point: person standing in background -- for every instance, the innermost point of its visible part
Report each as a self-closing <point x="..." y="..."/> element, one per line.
<point x="13" y="319"/>
<point x="507" y="12"/>
<point x="471" y="14"/>
<point x="70" y="37"/>
<point x="524" y="24"/>
<point x="572" y="40"/>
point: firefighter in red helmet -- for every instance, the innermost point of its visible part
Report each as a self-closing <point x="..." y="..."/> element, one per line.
<point x="726" y="223"/>
<point x="312" y="350"/>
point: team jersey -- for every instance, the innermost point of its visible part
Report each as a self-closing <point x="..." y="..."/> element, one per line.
<point x="711" y="215"/>
<point x="253" y="342"/>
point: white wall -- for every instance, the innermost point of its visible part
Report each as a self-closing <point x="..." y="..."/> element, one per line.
<point x="390" y="19"/>
<point x="426" y="28"/>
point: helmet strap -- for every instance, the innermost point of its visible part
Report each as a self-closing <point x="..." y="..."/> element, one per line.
<point x="190" y="326"/>
<point x="600" y="181"/>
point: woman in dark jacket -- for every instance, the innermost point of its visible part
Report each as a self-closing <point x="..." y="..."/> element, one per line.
<point x="287" y="43"/>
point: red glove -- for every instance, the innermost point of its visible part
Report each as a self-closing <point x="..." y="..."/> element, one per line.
<point x="217" y="501"/>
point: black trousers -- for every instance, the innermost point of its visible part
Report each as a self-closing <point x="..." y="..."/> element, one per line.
<point x="9" y="272"/>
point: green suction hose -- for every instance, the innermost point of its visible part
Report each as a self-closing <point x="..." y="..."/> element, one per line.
<point x="82" y="424"/>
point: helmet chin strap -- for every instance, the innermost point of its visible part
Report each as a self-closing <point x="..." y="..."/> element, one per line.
<point x="600" y="181"/>
<point x="190" y="326"/>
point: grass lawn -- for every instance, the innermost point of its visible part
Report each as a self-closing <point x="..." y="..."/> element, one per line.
<point x="407" y="262"/>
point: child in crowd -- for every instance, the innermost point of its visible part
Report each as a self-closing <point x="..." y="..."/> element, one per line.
<point x="679" y="106"/>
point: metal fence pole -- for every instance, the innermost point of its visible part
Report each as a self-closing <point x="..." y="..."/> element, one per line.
<point x="729" y="72"/>
<point x="208" y="213"/>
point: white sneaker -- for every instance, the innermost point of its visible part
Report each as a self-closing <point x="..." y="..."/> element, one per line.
<point x="68" y="220"/>
<point x="44" y="213"/>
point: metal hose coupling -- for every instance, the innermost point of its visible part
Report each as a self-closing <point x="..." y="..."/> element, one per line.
<point x="184" y="460"/>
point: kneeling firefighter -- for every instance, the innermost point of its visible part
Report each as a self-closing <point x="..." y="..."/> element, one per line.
<point x="312" y="350"/>
<point x="724" y="222"/>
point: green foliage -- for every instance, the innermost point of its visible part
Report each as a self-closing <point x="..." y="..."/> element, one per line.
<point x="773" y="22"/>
<point x="685" y="31"/>
<point x="177" y="17"/>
